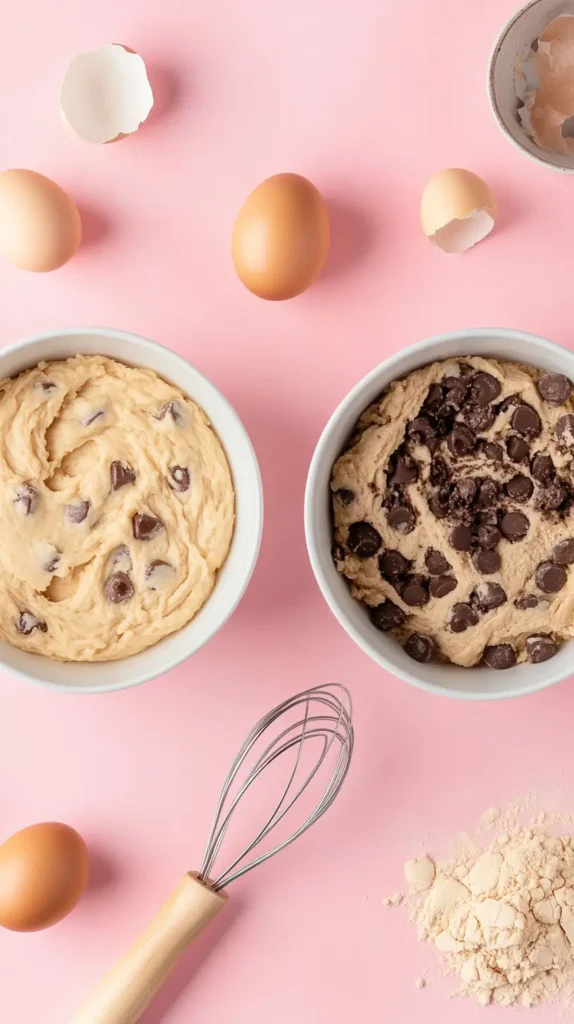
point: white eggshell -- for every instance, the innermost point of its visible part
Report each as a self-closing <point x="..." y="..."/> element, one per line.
<point x="106" y="94"/>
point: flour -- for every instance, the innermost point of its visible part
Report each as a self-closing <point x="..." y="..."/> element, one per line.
<point x="501" y="912"/>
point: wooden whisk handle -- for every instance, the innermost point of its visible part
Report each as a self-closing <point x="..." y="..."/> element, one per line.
<point x="122" y="996"/>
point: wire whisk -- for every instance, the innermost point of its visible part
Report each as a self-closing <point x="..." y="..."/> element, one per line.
<point x="326" y="717"/>
<point x="320" y="716"/>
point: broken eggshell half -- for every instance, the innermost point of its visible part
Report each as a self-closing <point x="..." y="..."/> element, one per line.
<point x="106" y="94"/>
<point x="512" y="78"/>
<point x="458" y="209"/>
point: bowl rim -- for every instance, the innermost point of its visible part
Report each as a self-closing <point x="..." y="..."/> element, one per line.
<point x="312" y="497"/>
<point x="495" y="51"/>
<point x="257" y="531"/>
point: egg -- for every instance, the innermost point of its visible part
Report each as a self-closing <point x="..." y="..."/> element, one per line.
<point x="281" y="237"/>
<point x="43" y="873"/>
<point x="458" y="209"/>
<point x="40" y="227"/>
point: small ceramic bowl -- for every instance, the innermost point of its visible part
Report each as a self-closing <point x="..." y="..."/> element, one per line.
<point x="98" y="677"/>
<point x="515" y="39"/>
<point x="479" y="683"/>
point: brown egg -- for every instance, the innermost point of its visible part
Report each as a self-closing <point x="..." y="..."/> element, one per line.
<point x="281" y="237"/>
<point x="43" y="873"/>
<point x="40" y="227"/>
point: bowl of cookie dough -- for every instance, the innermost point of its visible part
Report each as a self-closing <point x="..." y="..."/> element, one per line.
<point x="132" y="509"/>
<point x="439" y="514"/>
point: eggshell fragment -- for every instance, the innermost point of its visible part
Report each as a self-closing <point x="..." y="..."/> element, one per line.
<point x="106" y="94"/>
<point x="458" y="210"/>
<point x="40" y="227"/>
<point x="43" y="873"/>
<point x="281" y="237"/>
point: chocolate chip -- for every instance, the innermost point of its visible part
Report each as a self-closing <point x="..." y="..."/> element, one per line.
<point x="421" y="431"/>
<point x="479" y="418"/>
<point x="514" y="526"/>
<point x="526" y="421"/>
<point x="463" y="493"/>
<point x="552" y="496"/>
<point x="484" y="388"/>
<point x="486" y="517"/>
<point x="436" y="563"/>
<point x="121" y="474"/>
<point x="402" y="518"/>
<point x="488" y="537"/>
<point x="387" y="616"/>
<point x="180" y="478"/>
<point x="26" y="499"/>
<point x="542" y="468"/>
<point x="118" y="587"/>
<point x="500" y="656"/>
<point x="45" y="385"/>
<point x="145" y="526"/>
<point x="492" y="451"/>
<point x="345" y="496"/>
<point x="488" y="493"/>
<point x="565" y="430"/>
<point x="439" y="472"/>
<point x="440" y="586"/>
<point x="550" y="578"/>
<point x="393" y="565"/>
<point x="461" y="441"/>
<point x="520" y="488"/>
<point x="461" y="617"/>
<point x="171" y="408"/>
<point x="563" y="553"/>
<point x="517" y="448"/>
<point x="434" y="398"/>
<point x="465" y="370"/>
<point x="158" y="571"/>
<point x="404" y="470"/>
<point x="415" y="591"/>
<point x="488" y="596"/>
<point x="52" y="562"/>
<point x="540" y="647"/>
<point x="438" y="504"/>
<point x="461" y="537"/>
<point x="92" y="417"/>
<point x="455" y="392"/>
<point x="486" y="561"/>
<point x="525" y="602"/>
<point x="555" y="388"/>
<point x="28" y="622"/>
<point x="363" y="540"/>
<point x="78" y="512"/>
<point x="420" y="647"/>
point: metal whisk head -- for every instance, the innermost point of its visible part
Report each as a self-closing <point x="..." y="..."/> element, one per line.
<point x="326" y="717"/>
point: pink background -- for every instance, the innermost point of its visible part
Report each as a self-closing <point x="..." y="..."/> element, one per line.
<point x="367" y="99"/>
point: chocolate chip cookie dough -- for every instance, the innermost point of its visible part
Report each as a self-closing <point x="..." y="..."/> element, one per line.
<point x="454" y="512"/>
<point x="117" y="509"/>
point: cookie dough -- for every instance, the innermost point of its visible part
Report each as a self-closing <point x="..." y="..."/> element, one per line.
<point x="117" y="509"/>
<point x="454" y="512"/>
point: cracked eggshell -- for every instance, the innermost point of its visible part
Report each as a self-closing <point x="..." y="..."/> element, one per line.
<point x="106" y="94"/>
<point x="458" y="209"/>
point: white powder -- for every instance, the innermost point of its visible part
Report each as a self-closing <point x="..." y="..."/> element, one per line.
<point x="501" y="913"/>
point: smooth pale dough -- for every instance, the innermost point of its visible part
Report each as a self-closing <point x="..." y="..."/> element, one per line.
<point x="363" y="470"/>
<point x="47" y="441"/>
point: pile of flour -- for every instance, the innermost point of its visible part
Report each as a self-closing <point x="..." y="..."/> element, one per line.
<point x="501" y="914"/>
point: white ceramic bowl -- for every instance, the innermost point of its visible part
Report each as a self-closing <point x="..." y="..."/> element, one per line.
<point x="98" y="677"/>
<point x="478" y="683"/>
<point x="516" y="37"/>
